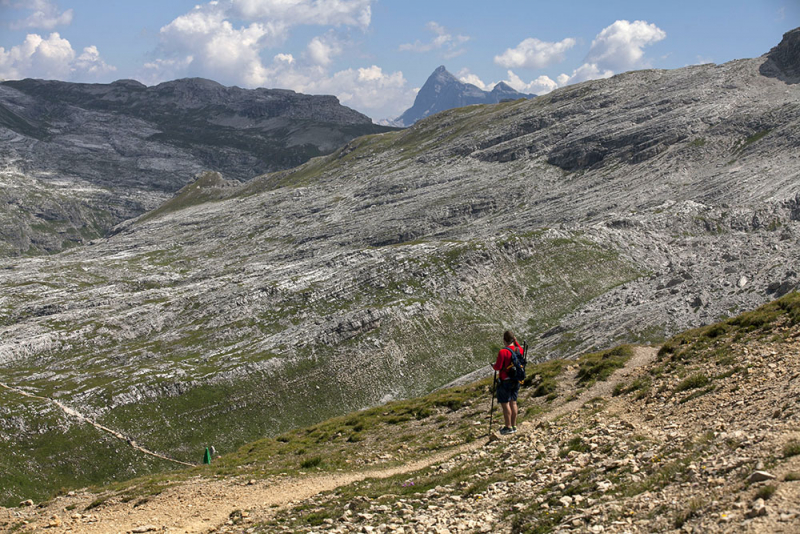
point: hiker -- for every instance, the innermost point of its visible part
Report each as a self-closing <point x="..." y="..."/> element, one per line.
<point x="508" y="388"/>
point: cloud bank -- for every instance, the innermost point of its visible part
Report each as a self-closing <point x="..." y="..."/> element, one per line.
<point x="534" y="54"/>
<point x="51" y="57"/>
<point x="617" y="48"/>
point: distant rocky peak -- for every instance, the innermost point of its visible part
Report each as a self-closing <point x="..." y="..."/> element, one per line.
<point x="504" y="87"/>
<point x="439" y="78"/>
<point x="443" y="91"/>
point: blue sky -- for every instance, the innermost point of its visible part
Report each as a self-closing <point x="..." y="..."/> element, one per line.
<point x="375" y="54"/>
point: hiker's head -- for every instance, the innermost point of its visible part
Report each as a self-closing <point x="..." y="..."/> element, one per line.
<point x="508" y="337"/>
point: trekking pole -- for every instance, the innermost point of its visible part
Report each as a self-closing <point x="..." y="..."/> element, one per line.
<point x="491" y="410"/>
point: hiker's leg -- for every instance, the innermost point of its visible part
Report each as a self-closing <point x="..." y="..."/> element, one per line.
<point x="512" y="408"/>
<point x="506" y="413"/>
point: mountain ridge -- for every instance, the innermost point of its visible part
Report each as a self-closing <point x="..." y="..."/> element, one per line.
<point x="103" y="153"/>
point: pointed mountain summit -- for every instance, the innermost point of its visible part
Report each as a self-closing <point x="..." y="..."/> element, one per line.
<point x="444" y="91"/>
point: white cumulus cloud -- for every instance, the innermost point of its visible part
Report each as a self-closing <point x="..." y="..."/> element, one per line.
<point x="210" y="45"/>
<point x="468" y="77"/>
<point x="228" y="40"/>
<point x="287" y="58"/>
<point x="160" y="70"/>
<point x="442" y="40"/>
<point x="46" y="15"/>
<point x="534" y="54"/>
<point x="90" y="62"/>
<point x="619" y="46"/>
<point x="540" y="86"/>
<point x="51" y="57"/>
<point x="587" y="71"/>
<point x="322" y="49"/>
<point x="225" y="39"/>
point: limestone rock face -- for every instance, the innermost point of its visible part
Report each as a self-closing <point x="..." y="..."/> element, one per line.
<point x="102" y="153"/>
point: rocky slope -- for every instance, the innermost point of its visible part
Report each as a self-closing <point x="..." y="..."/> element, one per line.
<point x="699" y="436"/>
<point x="103" y="153"/>
<point x="625" y="209"/>
<point x="703" y="439"/>
<point x="443" y="91"/>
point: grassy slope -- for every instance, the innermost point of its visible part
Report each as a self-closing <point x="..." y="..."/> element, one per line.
<point x="389" y="434"/>
<point x="57" y="455"/>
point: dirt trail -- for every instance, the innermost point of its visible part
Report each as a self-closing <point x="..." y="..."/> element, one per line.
<point x="641" y="357"/>
<point x="198" y="505"/>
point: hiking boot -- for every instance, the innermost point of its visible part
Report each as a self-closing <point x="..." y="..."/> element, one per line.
<point x="505" y="431"/>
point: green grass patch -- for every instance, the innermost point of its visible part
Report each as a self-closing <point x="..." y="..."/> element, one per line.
<point x="310" y="463"/>
<point x="714" y="341"/>
<point x="754" y="138"/>
<point x="641" y="384"/>
<point x="600" y="365"/>
<point x="542" y="377"/>
<point x="695" y="381"/>
<point x="765" y="492"/>
<point x="61" y="454"/>
<point x="698" y="393"/>
<point x="693" y="510"/>
<point x="700" y="141"/>
<point x="792" y="448"/>
<point x="574" y="444"/>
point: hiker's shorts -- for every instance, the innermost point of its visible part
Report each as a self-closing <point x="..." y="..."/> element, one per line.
<point x="507" y="391"/>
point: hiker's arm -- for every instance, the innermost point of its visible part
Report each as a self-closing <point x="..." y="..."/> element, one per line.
<point x="498" y="365"/>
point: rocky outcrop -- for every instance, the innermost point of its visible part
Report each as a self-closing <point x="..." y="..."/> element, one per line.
<point x="443" y="91"/>
<point x="783" y="61"/>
